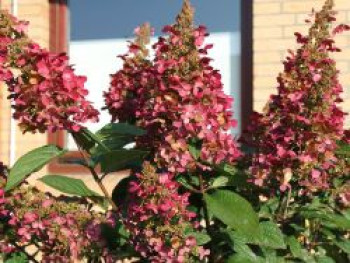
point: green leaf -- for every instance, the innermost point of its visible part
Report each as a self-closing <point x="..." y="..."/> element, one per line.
<point x="233" y="210"/>
<point x="121" y="191"/>
<point x="240" y="258"/>
<point x="226" y="169"/>
<point x="118" y="129"/>
<point x="344" y="149"/>
<point x="116" y="136"/>
<point x="268" y="235"/>
<point x="271" y="256"/>
<point x="235" y="176"/>
<point x="30" y="163"/>
<point x="297" y="250"/>
<point x="244" y="255"/>
<point x="344" y="245"/>
<point x="201" y="238"/>
<point x="271" y="235"/>
<point x="324" y="259"/>
<point x="68" y="185"/>
<point x="113" y="143"/>
<point x="221" y="181"/>
<point x="185" y="182"/>
<point x="195" y="151"/>
<point x="119" y="159"/>
<point x="328" y="219"/>
<point x="18" y="257"/>
<point x="85" y="139"/>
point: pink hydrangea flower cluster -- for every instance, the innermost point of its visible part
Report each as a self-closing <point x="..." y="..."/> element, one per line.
<point x="61" y="232"/>
<point x="177" y="98"/>
<point x="157" y="219"/>
<point x="296" y="135"/>
<point x="47" y="94"/>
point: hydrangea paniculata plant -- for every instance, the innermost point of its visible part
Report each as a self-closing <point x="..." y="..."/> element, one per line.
<point x="60" y="231"/>
<point x="178" y="98"/>
<point x="296" y="135"/>
<point x="157" y="218"/>
<point x="47" y="94"/>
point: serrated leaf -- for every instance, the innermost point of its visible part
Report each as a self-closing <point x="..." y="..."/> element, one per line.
<point x="85" y="139"/>
<point x="68" y="185"/>
<point x="268" y="236"/>
<point x="221" y="181"/>
<point x="344" y="245"/>
<point x="233" y="210"/>
<point x="194" y="151"/>
<point x="297" y="250"/>
<point x="240" y="258"/>
<point x="244" y="255"/>
<point x="118" y="129"/>
<point x="235" y="176"/>
<point x="324" y="259"/>
<point x="119" y="159"/>
<point x="18" y="257"/>
<point x="30" y="163"/>
<point x="271" y="235"/>
<point x="328" y="219"/>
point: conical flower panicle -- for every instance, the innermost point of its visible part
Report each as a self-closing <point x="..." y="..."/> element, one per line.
<point x="130" y="86"/>
<point x="297" y="134"/>
<point x="178" y="98"/>
<point x="46" y="93"/>
<point x="157" y="218"/>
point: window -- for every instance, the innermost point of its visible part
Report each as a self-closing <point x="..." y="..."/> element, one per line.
<point x="98" y="31"/>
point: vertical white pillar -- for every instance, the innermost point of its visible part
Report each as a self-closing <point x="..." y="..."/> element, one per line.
<point x="12" y="152"/>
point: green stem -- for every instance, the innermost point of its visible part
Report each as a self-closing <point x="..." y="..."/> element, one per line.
<point x="206" y="215"/>
<point x="97" y="179"/>
<point x="287" y="203"/>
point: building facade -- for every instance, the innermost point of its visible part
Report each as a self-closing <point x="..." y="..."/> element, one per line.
<point x="266" y="32"/>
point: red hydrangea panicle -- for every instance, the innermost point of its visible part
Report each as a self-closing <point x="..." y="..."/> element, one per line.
<point x="130" y="86"/>
<point x="157" y="218"/>
<point x="47" y="95"/>
<point x="296" y="135"/>
<point x="62" y="232"/>
<point x="177" y="98"/>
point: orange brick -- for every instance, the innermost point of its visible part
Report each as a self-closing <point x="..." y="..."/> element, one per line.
<point x="301" y="6"/>
<point x="32" y="10"/>
<point x="265" y="82"/>
<point x="267" y="57"/>
<point x="274" y="20"/>
<point x="267" y="8"/>
<point x="273" y="44"/>
<point x="268" y="32"/>
<point x="267" y="69"/>
<point x="288" y="31"/>
<point x="342" y="5"/>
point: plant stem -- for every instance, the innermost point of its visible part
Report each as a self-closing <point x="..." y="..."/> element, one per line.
<point x="287" y="203"/>
<point x="103" y="188"/>
<point x="97" y="179"/>
<point x="206" y="214"/>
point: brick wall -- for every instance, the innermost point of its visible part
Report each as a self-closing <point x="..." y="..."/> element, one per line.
<point x="37" y="13"/>
<point x="274" y="24"/>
